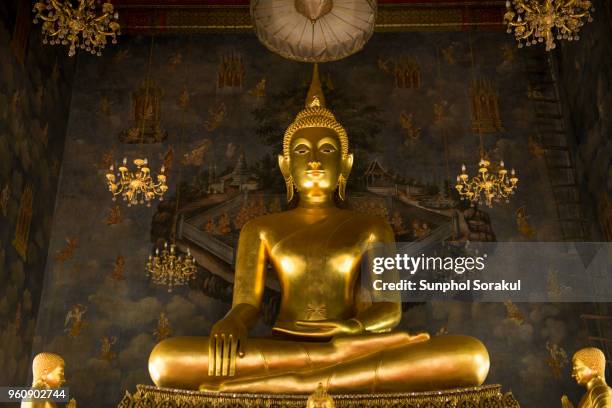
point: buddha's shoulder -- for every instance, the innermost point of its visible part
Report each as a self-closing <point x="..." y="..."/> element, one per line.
<point x="343" y="217"/>
<point x="267" y="221"/>
<point x="368" y="222"/>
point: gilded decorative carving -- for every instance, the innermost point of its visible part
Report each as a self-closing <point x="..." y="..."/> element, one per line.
<point x="487" y="396"/>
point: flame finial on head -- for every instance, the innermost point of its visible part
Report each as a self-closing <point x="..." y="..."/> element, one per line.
<point x="315" y="97"/>
<point x="315" y="114"/>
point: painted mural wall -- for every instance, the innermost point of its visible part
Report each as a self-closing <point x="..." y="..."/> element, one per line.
<point x="213" y="110"/>
<point x="584" y="71"/>
<point x="35" y="89"/>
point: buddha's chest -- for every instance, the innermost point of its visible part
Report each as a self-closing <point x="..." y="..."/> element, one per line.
<point x="329" y="252"/>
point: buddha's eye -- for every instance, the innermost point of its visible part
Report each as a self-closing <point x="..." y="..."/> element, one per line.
<point x="301" y="149"/>
<point x="327" y="148"/>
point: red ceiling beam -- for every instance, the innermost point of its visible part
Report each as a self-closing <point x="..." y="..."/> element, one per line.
<point x="212" y="16"/>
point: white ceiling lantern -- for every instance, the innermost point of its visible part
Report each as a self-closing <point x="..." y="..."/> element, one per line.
<point x="314" y="30"/>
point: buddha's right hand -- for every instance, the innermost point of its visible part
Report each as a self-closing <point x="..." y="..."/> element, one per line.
<point x="566" y="403"/>
<point x="225" y="344"/>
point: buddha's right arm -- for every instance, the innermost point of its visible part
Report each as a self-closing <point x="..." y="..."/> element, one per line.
<point x="228" y="335"/>
<point x="249" y="278"/>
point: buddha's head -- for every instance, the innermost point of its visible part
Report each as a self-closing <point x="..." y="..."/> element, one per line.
<point x="48" y="368"/>
<point x="315" y="159"/>
<point x="588" y="363"/>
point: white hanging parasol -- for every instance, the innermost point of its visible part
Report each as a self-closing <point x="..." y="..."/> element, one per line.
<point x="314" y="30"/>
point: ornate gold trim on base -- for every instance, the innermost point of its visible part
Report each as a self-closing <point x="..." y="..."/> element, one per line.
<point x="486" y="396"/>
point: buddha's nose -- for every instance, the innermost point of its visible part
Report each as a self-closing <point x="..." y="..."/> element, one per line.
<point x="314" y="165"/>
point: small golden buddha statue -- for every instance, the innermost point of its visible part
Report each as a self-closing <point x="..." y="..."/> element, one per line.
<point x="320" y="335"/>
<point x="320" y="399"/>
<point x="589" y="371"/>
<point x="47" y="372"/>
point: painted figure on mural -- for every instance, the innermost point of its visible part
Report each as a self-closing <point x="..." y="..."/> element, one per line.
<point x="216" y="115"/>
<point x="522" y="223"/>
<point x="5" y="195"/>
<point x="557" y="359"/>
<point x="163" y="329"/>
<point x="589" y="366"/>
<point x="513" y="313"/>
<point x="106" y="348"/>
<point x="67" y="252"/>
<point x="114" y="216"/>
<point x="74" y="322"/>
<point x="320" y="335"/>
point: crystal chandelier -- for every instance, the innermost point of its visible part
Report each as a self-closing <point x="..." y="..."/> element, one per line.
<point x="538" y="21"/>
<point x="488" y="186"/>
<point x="169" y="269"/>
<point x="77" y="24"/>
<point x="138" y="186"/>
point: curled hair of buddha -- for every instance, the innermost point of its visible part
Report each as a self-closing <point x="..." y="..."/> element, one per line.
<point x="44" y="363"/>
<point x="593" y="358"/>
<point x="315" y="115"/>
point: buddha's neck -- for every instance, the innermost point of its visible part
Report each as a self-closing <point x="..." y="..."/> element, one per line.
<point x="314" y="202"/>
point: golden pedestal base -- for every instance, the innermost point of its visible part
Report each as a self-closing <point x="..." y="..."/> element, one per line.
<point x="486" y="396"/>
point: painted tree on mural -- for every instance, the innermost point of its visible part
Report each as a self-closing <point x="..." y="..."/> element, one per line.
<point x="361" y="120"/>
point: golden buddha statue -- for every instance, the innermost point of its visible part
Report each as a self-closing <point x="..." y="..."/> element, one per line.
<point x="589" y="371"/>
<point x="47" y="372"/>
<point x="321" y="334"/>
<point x="320" y="399"/>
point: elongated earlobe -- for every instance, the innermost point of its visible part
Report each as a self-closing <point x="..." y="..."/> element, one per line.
<point x="347" y="165"/>
<point x="341" y="187"/>
<point x="290" y="188"/>
<point x="283" y="164"/>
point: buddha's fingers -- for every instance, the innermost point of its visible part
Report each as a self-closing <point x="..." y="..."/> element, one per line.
<point x="419" y="337"/>
<point x="218" y="355"/>
<point x="227" y="339"/>
<point x="211" y="355"/>
<point x="233" y="356"/>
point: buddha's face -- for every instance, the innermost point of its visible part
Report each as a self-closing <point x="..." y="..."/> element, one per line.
<point x="581" y="373"/>
<point x="315" y="162"/>
<point x="55" y="378"/>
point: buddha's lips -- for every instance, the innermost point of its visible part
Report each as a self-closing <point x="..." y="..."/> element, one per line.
<point x="315" y="173"/>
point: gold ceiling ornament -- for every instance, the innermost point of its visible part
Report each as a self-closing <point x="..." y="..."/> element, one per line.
<point x="543" y="21"/>
<point x="314" y="30"/>
<point x="488" y="186"/>
<point x="77" y="24"/>
<point x="167" y="268"/>
<point x="136" y="186"/>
